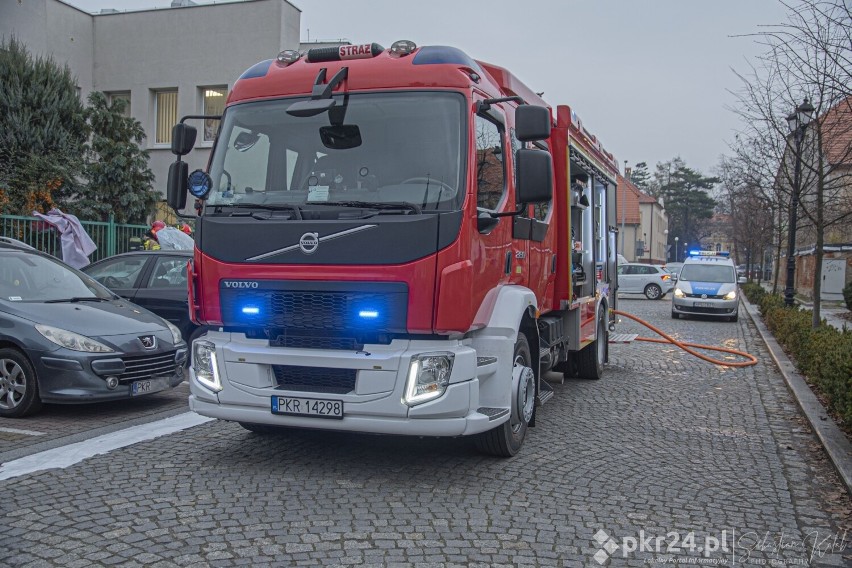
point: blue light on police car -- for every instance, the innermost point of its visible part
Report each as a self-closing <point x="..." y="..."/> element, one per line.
<point x="251" y="310"/>
<point x="695" y="253"/>
<point x="368" y="314"/>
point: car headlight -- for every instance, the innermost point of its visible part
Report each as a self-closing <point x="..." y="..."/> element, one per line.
<point x="204" y="363"/>
<point x="428" y="377"/>
<point x="678" y="293"/>
<point x="732" y="295"/>
<point x="71" y="340"/>
<point x="177" y="336"/>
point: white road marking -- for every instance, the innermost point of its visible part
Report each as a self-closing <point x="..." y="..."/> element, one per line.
<point x="24" y="432"/>
<point x="71" y="454"/>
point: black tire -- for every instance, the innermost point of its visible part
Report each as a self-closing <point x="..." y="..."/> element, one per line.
<point x="591" y="358"/>
<point x="734" y="318"/>
<point x="675" y="316"/>
<point x="264" y="429"/>
<point x="506" y="439"/>
<point x="17" y="375"/>
<point x="653" y="292"/>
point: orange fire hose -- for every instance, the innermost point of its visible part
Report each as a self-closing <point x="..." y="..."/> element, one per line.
<point x="752" y="360"/>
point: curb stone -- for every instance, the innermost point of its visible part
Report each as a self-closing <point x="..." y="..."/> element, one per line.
<point x="835" y="442"/>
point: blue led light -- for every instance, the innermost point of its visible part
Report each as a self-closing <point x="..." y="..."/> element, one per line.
<point x="368" y="314"/>
<point x="251" y="310"/>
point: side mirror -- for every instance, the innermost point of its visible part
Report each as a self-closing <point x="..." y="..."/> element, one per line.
<point x="176" y="189"/>
<point x="485" y="222"/>
<point x="532" y="123"/>
<point x="183" y="138"/>
<point x="742" y="280"/>
<point x="535" y="176"/>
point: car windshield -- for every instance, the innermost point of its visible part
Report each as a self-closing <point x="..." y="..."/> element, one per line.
<point x="368" y="148"/>
<point x="707" y="273"/>
<point x="35" y="278"/>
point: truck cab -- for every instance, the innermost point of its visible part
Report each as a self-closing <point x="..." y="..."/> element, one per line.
<point x="378" y="241"/>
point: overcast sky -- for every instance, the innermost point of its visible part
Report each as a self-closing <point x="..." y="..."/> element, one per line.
<point x="649" y="77"/>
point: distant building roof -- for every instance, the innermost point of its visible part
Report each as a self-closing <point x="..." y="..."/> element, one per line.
<point x="837" y="133"/>
<point x="628" y="201"/>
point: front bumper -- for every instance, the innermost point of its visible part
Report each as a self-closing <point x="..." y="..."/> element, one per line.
<point x="705" y="307"/>
<point x="73" y="377"/>
<point x="247" y="370"/>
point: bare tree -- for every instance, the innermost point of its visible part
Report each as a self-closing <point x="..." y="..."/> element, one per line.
<point x="808" y="56"/>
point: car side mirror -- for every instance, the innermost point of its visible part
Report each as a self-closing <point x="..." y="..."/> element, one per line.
<point x="742" y="280"/>
<point x="532" y="123"/>
<point x="183" y="138"/>
<point x="535" y="176"/>
<point x="176" y="187"/>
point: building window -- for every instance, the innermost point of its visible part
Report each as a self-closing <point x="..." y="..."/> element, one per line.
<point x="166" y="115"/>
<point x="122" y="96"/>
<point x="213" y="99"/>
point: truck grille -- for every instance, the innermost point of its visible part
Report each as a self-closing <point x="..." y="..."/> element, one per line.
<point x="147" y="366"/>
<point x="316" y="342"/>
<point x="317" y="306"/>
<point x="314" y="379"/>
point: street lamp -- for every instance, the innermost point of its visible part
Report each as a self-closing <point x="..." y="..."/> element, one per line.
<point x="798" y="122"/>
<point x="677" y="250"/>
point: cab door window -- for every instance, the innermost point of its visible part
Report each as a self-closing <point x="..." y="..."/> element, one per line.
<point x="490" y="165"/>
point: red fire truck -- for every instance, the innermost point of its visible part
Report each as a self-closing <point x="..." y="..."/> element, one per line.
<point x="399" y="241"/>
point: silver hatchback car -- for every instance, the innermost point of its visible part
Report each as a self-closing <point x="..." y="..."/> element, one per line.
<point x="649" y="279"/>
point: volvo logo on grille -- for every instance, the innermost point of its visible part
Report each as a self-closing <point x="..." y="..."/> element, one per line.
<point x="232" y="284"/>
<point x="148" y="341"/>
<point x="309" y="243"/>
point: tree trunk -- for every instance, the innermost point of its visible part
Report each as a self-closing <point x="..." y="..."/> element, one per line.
<point x="818" y="253"/>
<point x="778" y="246"/>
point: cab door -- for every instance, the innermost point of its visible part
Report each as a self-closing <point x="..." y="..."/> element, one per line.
<point x="493" y="251"/>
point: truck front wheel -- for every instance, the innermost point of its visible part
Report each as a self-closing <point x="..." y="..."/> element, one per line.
<point x="506" y="440"/>
<point x="591" y="359"/>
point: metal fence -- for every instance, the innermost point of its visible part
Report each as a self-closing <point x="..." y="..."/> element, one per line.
<point x="110" y="237"/>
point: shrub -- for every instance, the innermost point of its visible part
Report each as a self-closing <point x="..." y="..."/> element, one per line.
<point x="824" y="354"/>
<point x="754" y="292"/>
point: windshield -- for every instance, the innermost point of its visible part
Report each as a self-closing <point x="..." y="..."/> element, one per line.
<point x="372" y="148"/>
<point x="707" y="273"/>
<point x="34" y="278"/>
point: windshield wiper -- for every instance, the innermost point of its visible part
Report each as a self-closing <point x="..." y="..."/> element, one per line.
<point x="383" y="205"/>
<point x="77" y="299"/>
<point x="278" y="207"/>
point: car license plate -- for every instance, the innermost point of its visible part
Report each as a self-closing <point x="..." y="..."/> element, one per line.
<point x="148" y="386"/>
<point x="317" y="407"/>
<point x="703" y="304"/>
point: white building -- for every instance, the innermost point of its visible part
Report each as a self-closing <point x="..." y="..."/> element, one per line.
<point x="169" y="62"/>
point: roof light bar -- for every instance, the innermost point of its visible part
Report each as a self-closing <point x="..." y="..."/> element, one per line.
<point x="344" y="52"/>
<point x="697" y="252"/>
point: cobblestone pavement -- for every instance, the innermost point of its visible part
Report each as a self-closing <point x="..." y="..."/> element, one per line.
<point x="57" y="424"/>
<point x="664" y="444"/>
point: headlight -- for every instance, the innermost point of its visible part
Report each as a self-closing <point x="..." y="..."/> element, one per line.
<point x="204" y="363"/>
<point x="71" y="340"/>
<point x="177" y="336"/>
<point x="732" y="295"/>
<point x="678" y="293"/>
<point x="428" y="377"/>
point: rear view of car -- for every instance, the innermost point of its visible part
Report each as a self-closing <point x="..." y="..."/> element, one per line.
<point x="707" y="286"/>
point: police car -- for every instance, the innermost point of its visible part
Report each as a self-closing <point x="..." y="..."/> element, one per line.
<point x="707" y="286"/>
